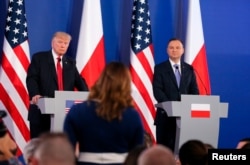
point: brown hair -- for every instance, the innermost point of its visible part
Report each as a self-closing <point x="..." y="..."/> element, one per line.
<point x="112" y="91"/>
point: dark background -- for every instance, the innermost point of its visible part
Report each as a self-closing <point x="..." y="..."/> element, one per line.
<point x="226" y="26"/>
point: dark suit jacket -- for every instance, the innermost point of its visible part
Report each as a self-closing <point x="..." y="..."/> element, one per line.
<point x="42" y="79"/>
<point x="165" y="85"/>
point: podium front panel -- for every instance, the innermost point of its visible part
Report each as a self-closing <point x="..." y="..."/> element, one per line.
<point x="57" y="106"/>
<point x="198" y="117"/>
<point x="60" y="106"/>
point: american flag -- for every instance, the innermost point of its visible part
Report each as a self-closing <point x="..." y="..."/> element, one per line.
<point x="142" y="64"/>
<point x="70" y="103"/>
<point x="14" y="63"/>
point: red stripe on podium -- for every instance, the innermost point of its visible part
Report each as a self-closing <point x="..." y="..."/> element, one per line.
<point x="200" y="114"/>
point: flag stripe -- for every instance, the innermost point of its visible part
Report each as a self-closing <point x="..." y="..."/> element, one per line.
<point x="142" y="64"/>
<point x="9" y="53"/>
<point x="97" y="60"/>
<point x="195" y="53"/>
<point x="142" y="90"/>
<point x="13" y="71"/>
<point x="200" y="114"/>
<point x="141" y="106"/>
<point x="14" y="113"/>
<point x="90" y="51"/>
<point x="145" y="123"/>
<point x="204" y="107"/>
<point x="14" y="96"/>
<point x="143" y="81"/>
<point x="21" y="55"/>
<point x="146" y="66"/>
<point x="202" y="73"/>
<point x="16" y="132"/>
<point x="195" y="38"/>
<point x="141" y="74"/>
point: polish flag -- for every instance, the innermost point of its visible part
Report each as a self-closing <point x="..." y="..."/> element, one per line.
<point x="195" y="53"/>
<point x="90" y="55"/>
<point x="200" y="110"/>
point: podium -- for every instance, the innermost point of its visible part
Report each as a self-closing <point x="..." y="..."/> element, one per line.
<point x="56" y="107"/>
<point x="197" y="117"/>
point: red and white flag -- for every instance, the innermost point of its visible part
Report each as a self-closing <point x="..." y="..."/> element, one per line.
<point x="13" y="70"/>
<point x="195" y="53"/>
<point x="90" y="55"/>
<point x="200" y="110"/>
<point x="142" y="64"/>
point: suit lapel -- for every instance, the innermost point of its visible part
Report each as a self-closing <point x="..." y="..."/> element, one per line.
<point x="184" y="73"/>
<point x="65" y="65"/>
<point x="52" y="67"/>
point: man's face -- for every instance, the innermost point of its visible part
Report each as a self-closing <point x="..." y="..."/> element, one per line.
<point x="60" y="45"/>
<point x="175" y="50"/>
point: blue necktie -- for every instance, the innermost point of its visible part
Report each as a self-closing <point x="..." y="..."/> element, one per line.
<point x="177" y="74"/>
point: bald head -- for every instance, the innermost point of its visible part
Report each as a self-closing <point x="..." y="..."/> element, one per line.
<point x="157" y="155"/>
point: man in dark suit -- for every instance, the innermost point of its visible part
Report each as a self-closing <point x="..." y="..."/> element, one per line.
<point x="42" y="79"/>
<point x="167" y="88"/>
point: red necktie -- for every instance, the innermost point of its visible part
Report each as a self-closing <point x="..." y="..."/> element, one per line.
<point x="59" y="74"/>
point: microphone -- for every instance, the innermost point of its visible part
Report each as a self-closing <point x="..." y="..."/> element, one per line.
<point x="199" y="77"/>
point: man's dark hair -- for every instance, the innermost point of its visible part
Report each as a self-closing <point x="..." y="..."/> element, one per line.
<point x="175" y="39"/>
<point x="246" y="139"/>
<point x="193" y="152"/>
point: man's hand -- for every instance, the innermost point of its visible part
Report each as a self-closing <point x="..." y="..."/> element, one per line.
<point x="35" y="99"/>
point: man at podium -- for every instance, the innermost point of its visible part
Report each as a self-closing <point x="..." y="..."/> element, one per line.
<point x="171" y="79"/>
<point x="50" y="71"/>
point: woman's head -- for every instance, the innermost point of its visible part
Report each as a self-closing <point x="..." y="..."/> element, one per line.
<point x="112" y="90"/>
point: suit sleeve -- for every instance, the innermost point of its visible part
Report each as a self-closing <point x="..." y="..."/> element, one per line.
<point x="80" y="82"/>
<point x="32" y="79"/>
<point x="193" y="85"/>
<point x="158" y="86"/>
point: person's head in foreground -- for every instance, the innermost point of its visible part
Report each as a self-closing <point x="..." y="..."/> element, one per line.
<point x="157" y="155"/>
<point x="8" y="147"/>
<point x="54" y="149"/>
<point x="193" y="152"/>
<point x="242" y="142"/>
<point x="113" y="91"/>
<point x="29" y="149"/>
